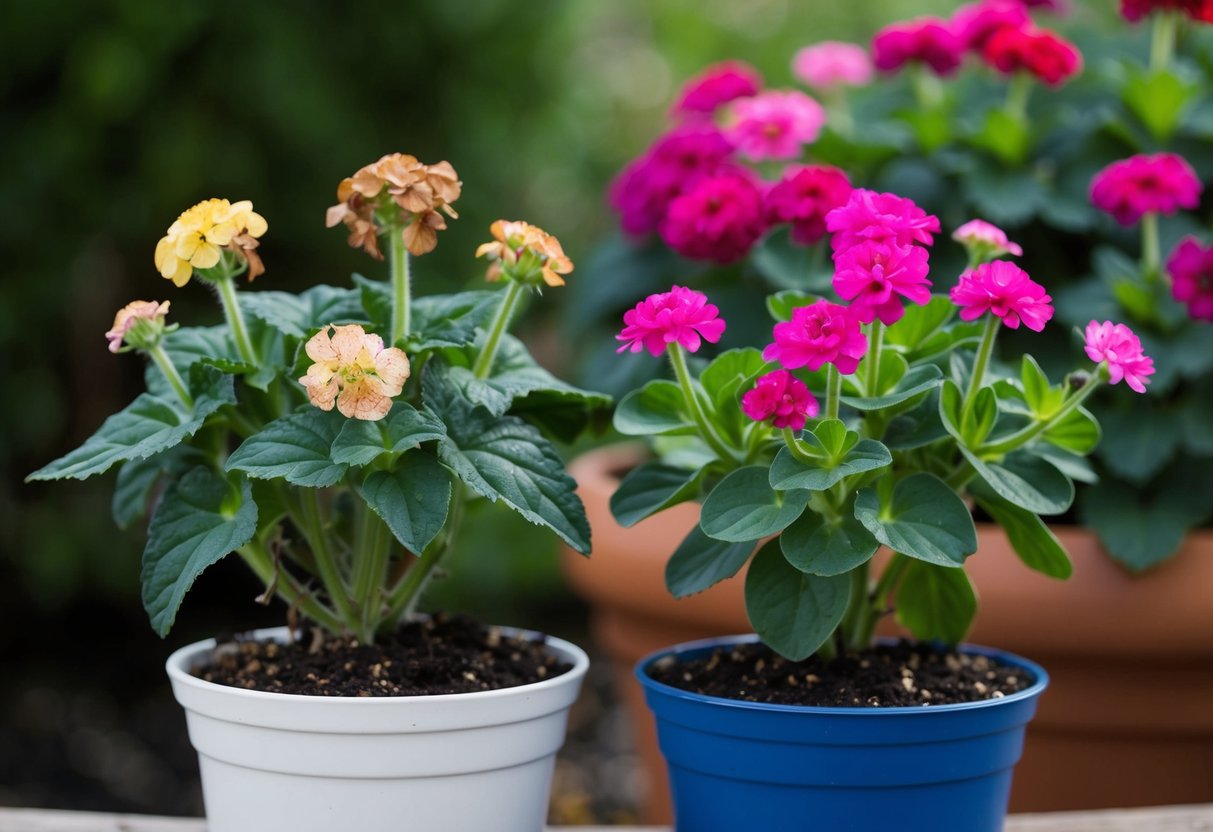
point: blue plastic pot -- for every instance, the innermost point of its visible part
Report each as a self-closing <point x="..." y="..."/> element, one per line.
<point x="747" y="767"/>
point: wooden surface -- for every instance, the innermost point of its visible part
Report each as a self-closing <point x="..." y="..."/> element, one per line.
<point x="1162" y="819"/>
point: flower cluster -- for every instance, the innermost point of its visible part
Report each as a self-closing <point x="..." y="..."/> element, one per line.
<point x="525" y="253"/>
<point x="680" y="316"/>
<point x="197" y="239"/>
<point x="1191" y="269"/>
<point x="1005" y="291"/>
<point x="1050" y="58"/>
<point x="1140" y="185"/>
<point x="831" y="64"/>
<point x="928" y="41"/>
<point x="1115" y="346"/>
<point x="715" y="86"/>
<point x="1199" y="10"/>
<point x="782" y="399"/>
<point x="803" y="197"/>
<point x="719" y="219"/>
<point x="353" y="368"/>
<point x="137" y="325"/>
<point x="774" y="125"/>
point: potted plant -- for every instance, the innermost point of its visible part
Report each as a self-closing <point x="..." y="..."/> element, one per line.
<point x="333" y="440"/>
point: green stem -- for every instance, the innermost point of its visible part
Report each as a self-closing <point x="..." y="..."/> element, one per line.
<point x="875" y="344"/>
<point x="833" y="391"/>
<point x="927" y="89"/>
<point x="235" y="320"/>
<point x="679" y="361"/>
<point x="979" y="367"/>
<point x="501" y="322"/>
<point x="959" y="478"/>
<point x="1151" y="256"/>
<point x="855" y="627"/>
<point x="798" y="449"/>
<point x="171" y="375"/>
<point x="1018" y="93"/>
<point x="398" y="264"/>
<point x="828" y="651"/>
<point x="1162" y="42"/>
<point x="1022" y="437"/>
<point x="404" y="596"/>
<point x="262" y="564"/>
<point x="371" y="544"/>
<point x="312" y="526"/>
<point x="841" y="118"/>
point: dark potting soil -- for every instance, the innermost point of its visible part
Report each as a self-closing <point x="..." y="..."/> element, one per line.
<point x="443" y="654"/>
<point x="889" y="676"/>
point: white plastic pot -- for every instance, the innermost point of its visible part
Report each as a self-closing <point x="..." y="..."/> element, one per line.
<point x="464" y="762"/>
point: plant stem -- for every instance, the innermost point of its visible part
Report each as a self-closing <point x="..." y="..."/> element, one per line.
<point x="798" y="449"/>
<point x="235" y="320"/>
<point x="979" y="367"/>
<point x="858" y="610"/>
<point x="262" y="564"/>
<point x="501" y="322"/>
<point x="678" y="360"/>
<point x="875" y="344"/>
<point x="840" y="112"/>
<point x="312" y="526"/>
<point x="833" y="391"/>
<point x="1151" y="256"/>
<point x="928" y="91"/>
<point x="404" y="596"/>
<point x="828" y="651"/>
<point x="1162" y="42"/>
<point x="1022" y="437"/>
<point x="398" y="264"/>
<point x="1018" y="93"/>
<point x="171" y="375"/>
<point x="370" y="563"/>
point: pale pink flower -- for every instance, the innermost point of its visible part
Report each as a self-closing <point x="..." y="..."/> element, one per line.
<point x="985" y="240"/>
<point x="869" y="215"/>
<point x="1005" y="290"/>
<point x="716" y="85"/>
<point x="353" y="369"/>
<point x="782" y="398"/>
<point x="818" y="334"/>
<point x="679" y="316"/>
<point x="875" y="276"/>
<point x="1117" y="346"/>
<point x="831" y="64"/>
<point x="1191" y="270"/>
<point x="1140" y="185"/>
<point x="130" y="315"/>
<point x="775" y="124"/>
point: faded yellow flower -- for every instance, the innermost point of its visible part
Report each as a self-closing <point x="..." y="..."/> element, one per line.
<point x="195" y="239"/>
<point x="353" y="369"/>
<point x="525" y="253"/>
<point x="130" y="316"/>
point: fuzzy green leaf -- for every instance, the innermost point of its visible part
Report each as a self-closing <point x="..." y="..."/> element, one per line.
<point x="413" y="499"/>
<point x="361" y="442"/>
<point x="296" y="448"/>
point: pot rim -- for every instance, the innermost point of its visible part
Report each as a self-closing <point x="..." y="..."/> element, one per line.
<point x="641" y="673"/>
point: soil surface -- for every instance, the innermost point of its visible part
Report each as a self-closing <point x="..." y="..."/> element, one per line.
<point x="443" y="654"/>
<point x="898" y="675"/>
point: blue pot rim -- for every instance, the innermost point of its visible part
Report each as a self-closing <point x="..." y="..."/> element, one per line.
<point x="1003" y="657"/>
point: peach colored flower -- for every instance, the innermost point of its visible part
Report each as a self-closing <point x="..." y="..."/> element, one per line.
<point x="353" y="369"/>
<point x="195" y="239"/>
<point x="129" y="316"/>
<point x="525" y="253"/>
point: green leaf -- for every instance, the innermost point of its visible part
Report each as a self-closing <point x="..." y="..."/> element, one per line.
<point x="1004" y="135"/>
<point x="936" y="604"/>
<point x="449" y="320"/>
<point x="137" y="480"/>
<point x="1005" y="195"/>
<point x="918" y="380"/>
<point x="727" y="373"/>
<point x="360" y="442"/>
<point x="924" y="519"/>
<point x="656" y="409"/>
<point x="787" y="265"/>
<point x="201" y="519"/>
<point x="744" y="506"/>
<point x="147" y="426"/>
<point x="917" y="428"/>
<point x="1124" y="450"/>
<point x="827" y="547"/>
<point x="700" y="562"/>
<point x="297" y="448"/>
<point x="981" y="418"/>
<point x="413" y="499"/>
<point x="650" y="488"/>
<point x="1077" y="431"/>
<point x="299" y="315"/>
<point x="920" y="323"/>
<point x="833" y="437"/>
<point x="1042" y="398"/>
<point x="1031" y="539"/>
<point x="781" y="304"/>
<point x="788" y="472"/>
<point x="1026" y="480"/>
<point x="1158" y="97"/>
<point x="1077" y="468"/>
<point x="793" y="612"/>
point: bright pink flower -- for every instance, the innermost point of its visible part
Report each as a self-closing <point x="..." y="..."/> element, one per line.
<point x="1140" y="185"/>
<point x="986" y="240"/>
<point x="782" y="398"/>
<point x="1201" y="10"/>
<point x="928" y="40"/>
<point x="869" y="215"/>
<point x="719" y="220"/>
<point x="975" y="23"/>
<point x="1044" y="54"/>
<point x="1191" y="270"/>
<point x="818" y="334"/>
<point x="1116" y="345"/>
<point x="803" y="197"/>
<point x="676" y="162"/>
<point x="718" y="84"/>
<point x="775" y="124"/>
<point x="832" y="63"/>
<point x="875" y="276"/>
<point x="1005" y="290"/>
<point x="679" y="316"/>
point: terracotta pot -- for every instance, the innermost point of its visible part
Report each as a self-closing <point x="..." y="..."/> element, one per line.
<point x="1126" y="721"/>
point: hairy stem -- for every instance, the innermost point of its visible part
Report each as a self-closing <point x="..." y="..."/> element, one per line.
<point x="1151" y="255"/>
<point x="371" y="544"/>
<point x="501" y="322"/>
<point x="398" y="264"/>
<point x="171" y="375"/>
<point x="1162" y="41"/>
<point x="311" y="524"/>
<point x="678" y="360"/>
<point x="259" y="560"/>
<point x="833" y="391"/>
<point x="235" y="320"/>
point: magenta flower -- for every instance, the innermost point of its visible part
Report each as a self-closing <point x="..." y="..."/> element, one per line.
<point x="1191" y="270"/>
<point x="869" y="215"/>
<point x="775" y="124"/>
<point x="803" y="197"/>
<point x="718" y="84"/>
<point x="831" y="64"/>
<point x="1005" y="290"/>
<point x="1120" y="349"/>
<point x="986" y="240"/>
<point x="719" y="220"/>
<point x="822" y="333"/>
<point x="1140" y="185"/>
<point x="975" y="23"/>
<point x="782" y="398"/>
<point x="875" y="276"/>
<point x="927" y="40"/>
<point x="1052" y="59"/>
<point x="1199" y="10"/>
<point x="679" y="316"/>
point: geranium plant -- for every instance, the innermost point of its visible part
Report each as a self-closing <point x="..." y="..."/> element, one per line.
<point x="878" y="421"/>
<point x="333" y="438"/>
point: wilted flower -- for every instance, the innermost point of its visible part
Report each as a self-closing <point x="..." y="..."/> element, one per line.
<point x="195" y="239"/>
<point x="927" y="40"/>
<point x="525" y="253"/>
<point x="1201" y="10"/>
<point x="1191" y="270"/>
<point x="875" y="276"/>
<point x="718" y="84"/>
<point x="137" y="325"/>
<point x="354" y="369"/>
<point x="976" y="23"/>
<point x="782" y="398"/>
<point x="831" y="64"/>
<point x="1120" y="349"/>
<point x="718" y="220"/>
<point x="1140" y="185"/>
<point x="775" y="124"/>
<point x="868" y="215"/>
<point x="1005" y="290"/>
<point x="1049" y="57"/>
<point x="818" y="334"/>
<point x="803" y="197"/>
<point x="985" y="241"/>
<point x="679" y="316"/>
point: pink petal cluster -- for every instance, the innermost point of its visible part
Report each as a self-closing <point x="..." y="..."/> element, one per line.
<point x="875" y="276"/>
<point x="718" y="84"/>
<point x="976" y="23"/>
<point x="1120" y="349"/>
<point x="818" y="334"/>
<point x="782" y="398"/>
<point x="803" y="197"/>
<point x="1140" y="185"/>
<point x="1052" y="59"/>
<point x="642" y="192"/>
<point x="831" y="64"/>
<point x="775" y="124"/>
<point x="1191" y="268"/>
<point x="679" y="316"/>
<point x="986" y="240"/>
<point x="130" y="315"/>
<point x="927" y="40"/>
<point x="1199" y="10"/>
<point x="1005" y="290"/>
<point x="869" y="215"/>
<point x="718" y="220"/>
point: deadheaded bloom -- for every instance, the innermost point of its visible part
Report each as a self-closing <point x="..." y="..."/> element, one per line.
<point x="197" y="238"/>
<point x="396" y="194"/>
<point x="353" y="369"/>
<point x="524" y="253"/>
<point x="138" y="325"/>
